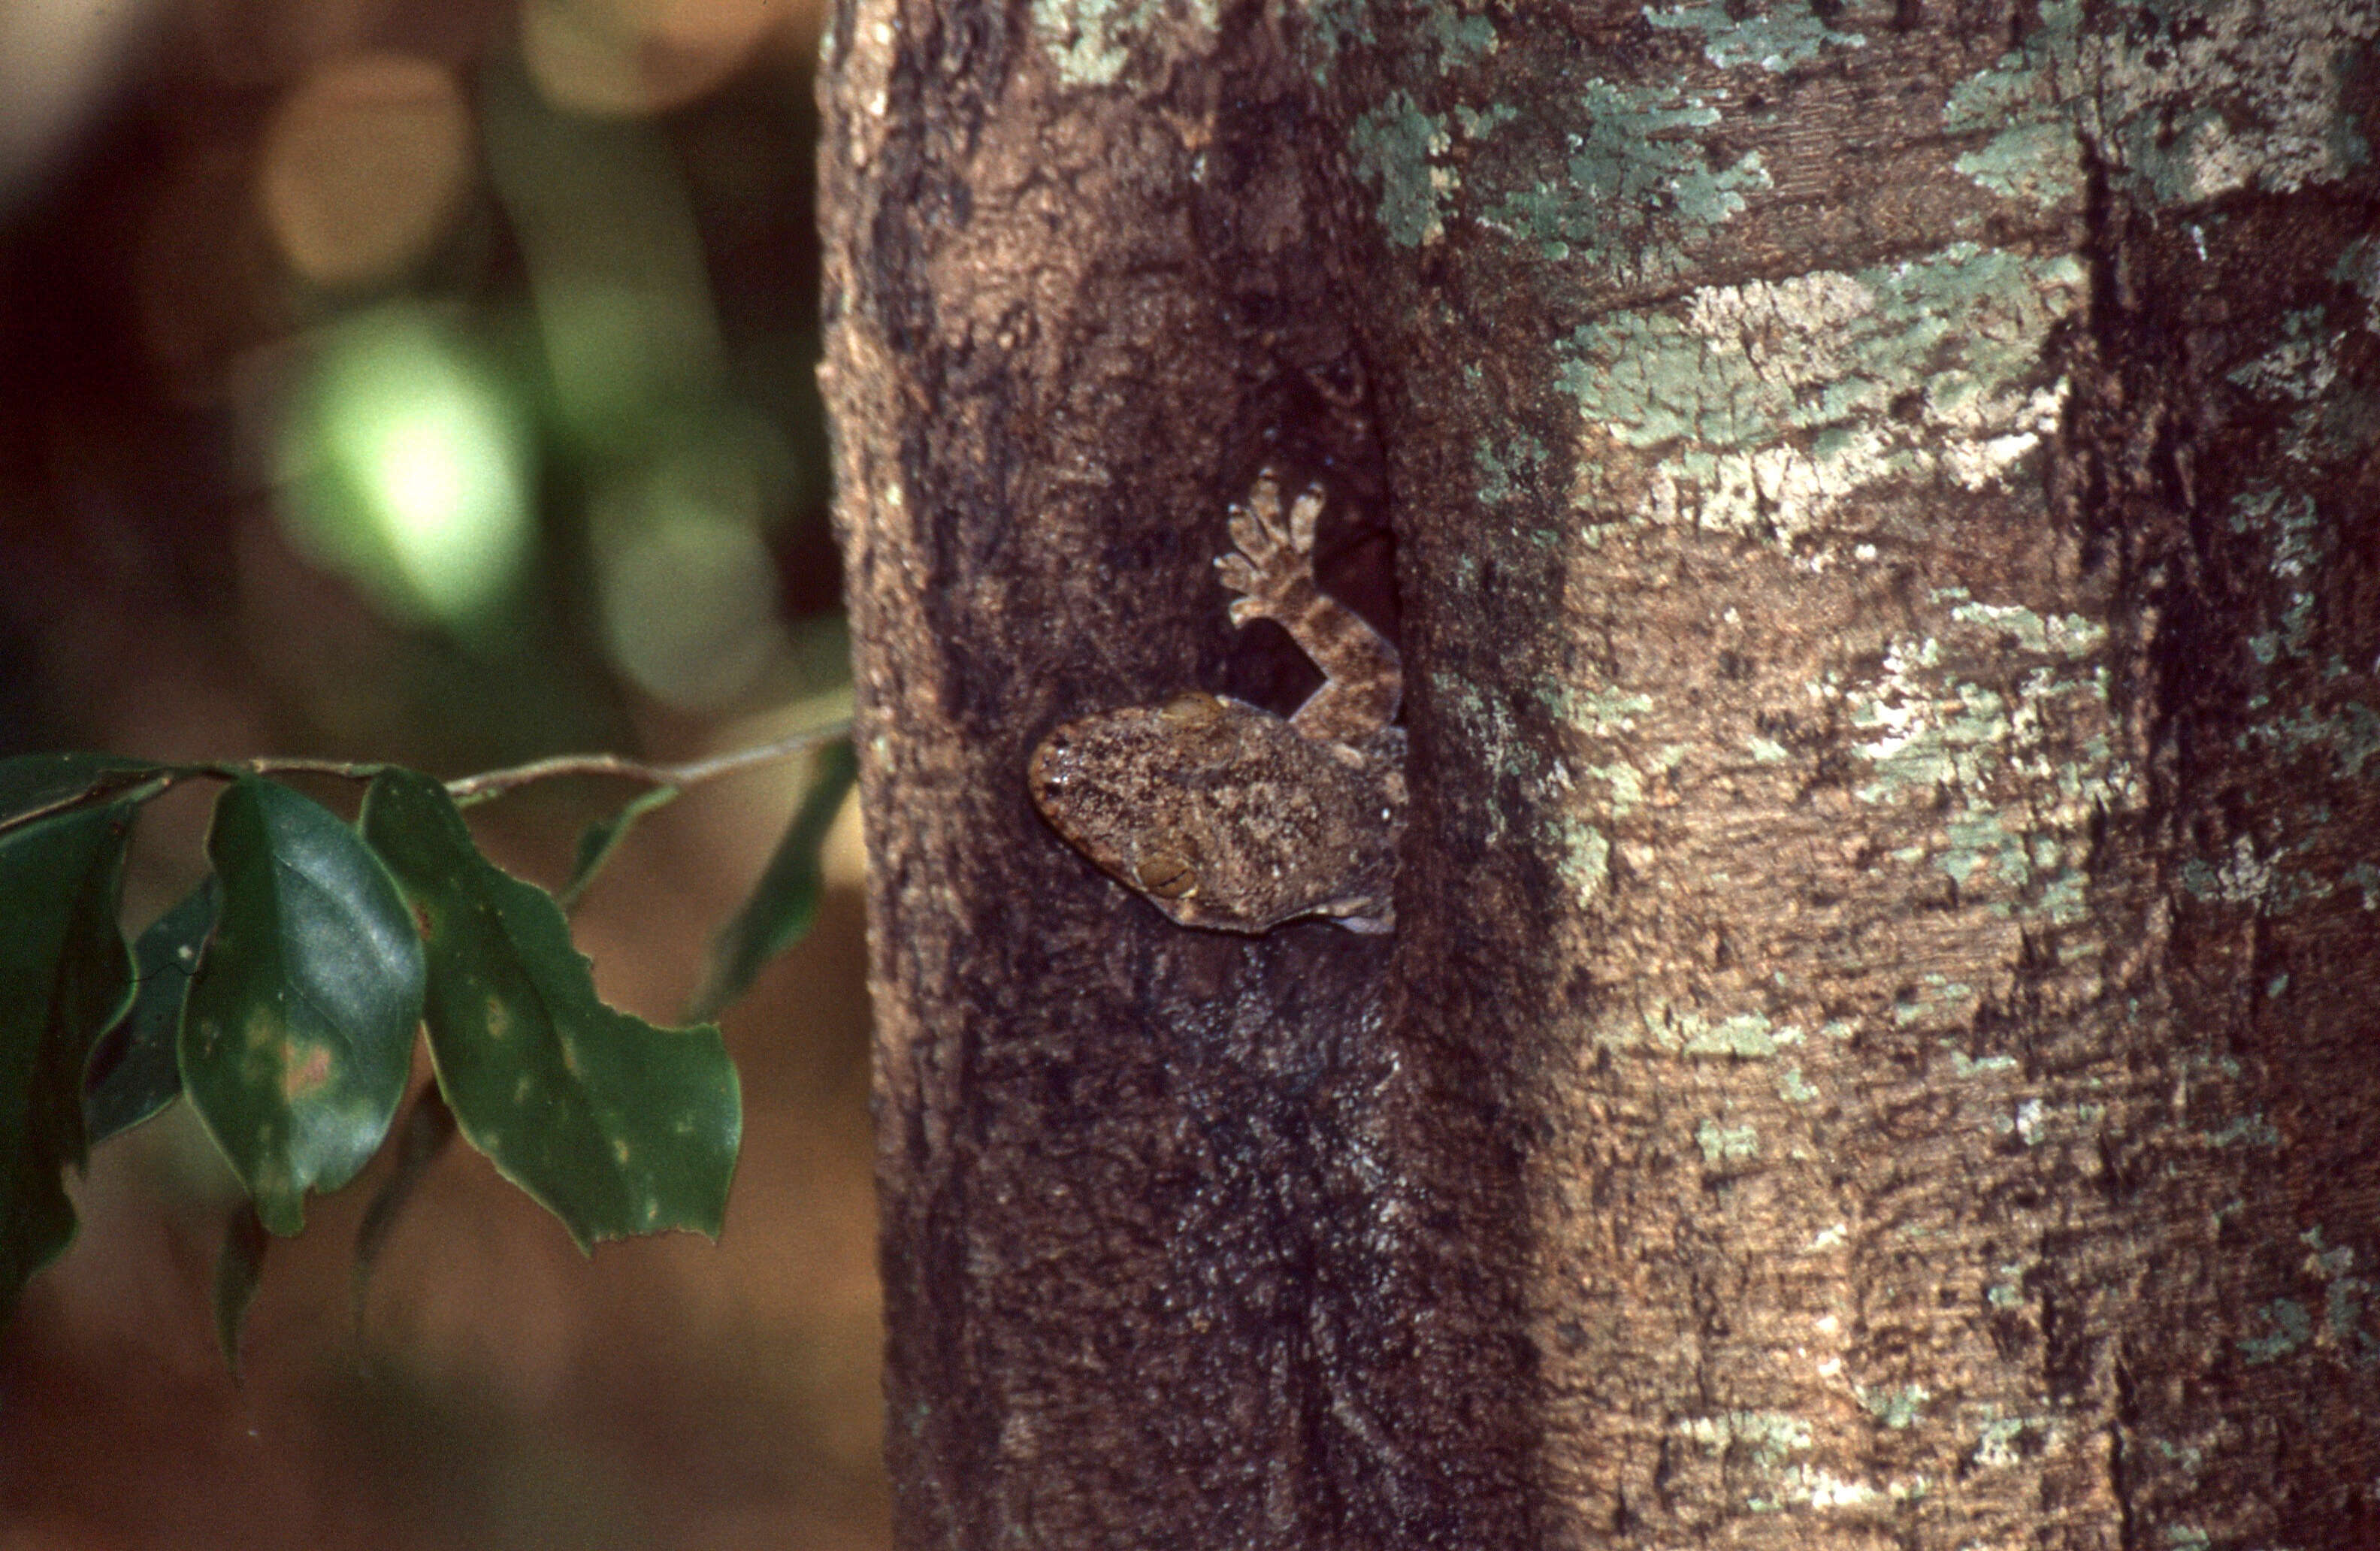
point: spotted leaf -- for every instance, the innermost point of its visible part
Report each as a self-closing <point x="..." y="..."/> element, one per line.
<point x="617" y="1127"/>
<point x="298" y="1030"/>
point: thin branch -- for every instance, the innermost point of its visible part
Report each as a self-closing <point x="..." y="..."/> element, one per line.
<point x="470" y="789"/>
<point x="163" y="780"/>
<point x="232" y="770"/>
<point x="495" y="782"/>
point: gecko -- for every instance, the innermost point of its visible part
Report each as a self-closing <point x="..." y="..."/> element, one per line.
<point x="1224" y="815"/>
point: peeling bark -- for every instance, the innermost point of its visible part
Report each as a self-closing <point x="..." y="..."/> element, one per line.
<point x="1876" y="508"/>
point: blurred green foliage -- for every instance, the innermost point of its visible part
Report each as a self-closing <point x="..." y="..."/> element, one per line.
<point x="535" y="462"/>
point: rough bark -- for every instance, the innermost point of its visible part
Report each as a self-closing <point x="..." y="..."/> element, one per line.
<point x="1877" y="505"/>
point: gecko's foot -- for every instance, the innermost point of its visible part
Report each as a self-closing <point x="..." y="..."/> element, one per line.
<point x="1272" y="563"/>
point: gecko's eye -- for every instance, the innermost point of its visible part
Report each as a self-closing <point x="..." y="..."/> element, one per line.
<point x="1167" y="875"/>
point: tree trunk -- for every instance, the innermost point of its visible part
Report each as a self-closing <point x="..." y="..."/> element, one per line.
<point x="1877" y="505"/>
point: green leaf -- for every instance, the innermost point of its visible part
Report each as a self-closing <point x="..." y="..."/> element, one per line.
<point x="298" y="1036"/>
<point x="603" y="837"/>
<point x="238" y="1270"/>
<point x="784" y="903"/>
<point x="422" y="1136"/>
<point x="65" y="977"/>
<point x="615" y="1126"/>
<point x="132" y="1073"/>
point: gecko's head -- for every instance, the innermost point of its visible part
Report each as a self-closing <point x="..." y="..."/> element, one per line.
<point x="1104" y="782"/>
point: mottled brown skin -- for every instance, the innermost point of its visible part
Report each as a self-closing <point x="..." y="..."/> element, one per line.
<point x="1224" y="815"/>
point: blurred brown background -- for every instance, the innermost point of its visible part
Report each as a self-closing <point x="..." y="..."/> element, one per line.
<point x="430" y="381"/>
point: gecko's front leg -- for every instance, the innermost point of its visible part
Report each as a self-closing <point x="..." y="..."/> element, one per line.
<point x="1272" y="569"/>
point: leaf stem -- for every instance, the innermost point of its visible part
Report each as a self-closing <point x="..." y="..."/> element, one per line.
<point x="232" y="770"/>
<point x="492" y="783"/>
<point x="142" y="782"/>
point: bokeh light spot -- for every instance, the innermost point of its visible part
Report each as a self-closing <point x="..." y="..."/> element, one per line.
<point x="689" y="589"/>
<point x="628" y="58"/>
<point x="420" y="486"/>
<point x="364" y="167"/>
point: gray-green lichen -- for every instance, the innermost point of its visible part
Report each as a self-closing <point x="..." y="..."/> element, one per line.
<point x="2287" y="1327"/>
<point x="2069" y="635"/>
<point x="1479" y="123"/>
<point x="1896" y="1407"/>
<point x="2359" y="268"/>
<point x="1774" y="403"/>
<point x="1686" y="1033"/>
<point x="2350" y="735"/>
<point x="2037" y="164"/>
<point x="2027" y="1122"/>
<point x="1723" y="1144"/>
<point x="2243" y="877"/>
<point x="2255" y="1131"/>
<point x="1769" y="1435"/>
<point x="1397" y="146"/>
<point x="1776" y="42"/>
<point x="1585" y="859"/>
<point x="2224" y="96"/>
<point x="1682" y="1031"/>
<point x="2301" y="366"/>
<point x="1480" y="721"/>
<point x="1090" y="40"/>
<point x="2002" y="1441"/>
<point x="2035" y="155"/>
<point x="2185" y="101"/>
<point x="1626" y="787"/>
<point x="1508" y="471"/>
<point x="1458" y="39"/>
<point x="1632" y="170"/>
<point x="2287" y="1324"/>
<point x="2012" y="777"/>
<point x="1461" y="39"/>
<point x="1601" y="713"/>
<point x="1749" y="1035"/>
<point x="2331" y="418"/>
<point x="1766" y="1440"/>
<point x="1937" y="1002"/>
<point x="1335" y="26"/>
<point x="2309" y="724"/>
<point x="1484" y="722"/>
<point x="2345" y="1299"/>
